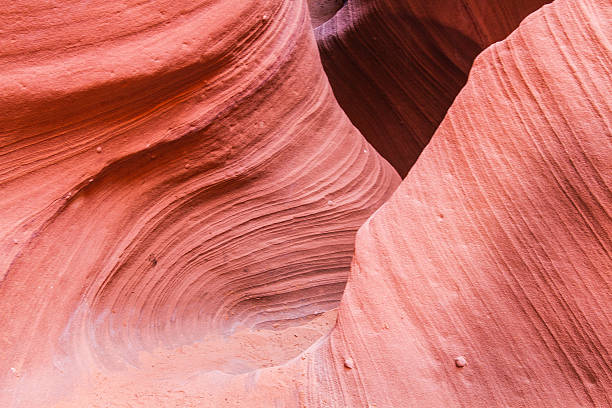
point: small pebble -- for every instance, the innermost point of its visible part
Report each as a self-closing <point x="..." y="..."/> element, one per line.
<point x="460" y="361"/>
<point x="330" y="202"/>
<point x="99" y="149"/>
<point x="265" y="17"/>
<point x="348" y="363"/>
<point x="91" y="180"/>
<point x="15" y="241"/>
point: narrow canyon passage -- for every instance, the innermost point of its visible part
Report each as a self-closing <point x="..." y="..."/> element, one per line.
<point x="396" y="66"/>
<point x="201" y="203"/>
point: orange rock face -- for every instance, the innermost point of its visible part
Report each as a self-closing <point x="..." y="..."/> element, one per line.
<point x="166" y="176"/>
<point x="180" y="195"/>
<point x="396" y="65"/>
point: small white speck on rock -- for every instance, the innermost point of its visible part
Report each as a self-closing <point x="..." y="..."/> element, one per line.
<point x="15" y="241"/>
<point x="99" y="149"/>
<point x="348" y="363"/>
<point x="460" y="361"/>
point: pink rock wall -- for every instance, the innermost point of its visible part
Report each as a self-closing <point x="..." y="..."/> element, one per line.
<point x="323" y="10"/>
<point x="496" y="247"/>
<point x="396" y="66"/>
<point x="165" y="175"/>
<point x="180" y="195"/>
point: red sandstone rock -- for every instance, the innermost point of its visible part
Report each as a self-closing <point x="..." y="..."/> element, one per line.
<point x="496" y="248"/>
<point x="166" y="175"/>
<point x="396" y="65"/>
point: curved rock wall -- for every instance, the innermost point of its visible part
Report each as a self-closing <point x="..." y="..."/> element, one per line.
<point x="483" y="281"/>
<point x="396" y="66"/>
<point x="166" y="175"/>
<point x="323" y="10"/>
<point x="497" y="246"/>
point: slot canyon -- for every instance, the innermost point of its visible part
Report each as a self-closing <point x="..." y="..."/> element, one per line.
<point x="305" y="203"/>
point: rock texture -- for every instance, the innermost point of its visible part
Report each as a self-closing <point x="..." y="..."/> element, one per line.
<point x="497" y="247"/>
<point x="483" y="282"/>
<point x="396" y="66"/>
<point x="323" y="10"/>
<point x="165" y="175"/>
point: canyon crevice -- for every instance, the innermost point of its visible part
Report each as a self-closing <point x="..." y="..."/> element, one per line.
<point x="188" y="218"/>
<point x="396" y="66"/>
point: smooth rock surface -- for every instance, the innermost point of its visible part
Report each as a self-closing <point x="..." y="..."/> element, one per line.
<point x="396" y="65"/>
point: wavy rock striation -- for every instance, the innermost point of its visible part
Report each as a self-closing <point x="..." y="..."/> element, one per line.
<point x="497" y="246"/>
<point x="396" y="66"/>
<point x="484" y="281"/>
<point x="165" y="176"/>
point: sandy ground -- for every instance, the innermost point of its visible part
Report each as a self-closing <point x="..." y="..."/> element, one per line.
<point x="165" y="377"/>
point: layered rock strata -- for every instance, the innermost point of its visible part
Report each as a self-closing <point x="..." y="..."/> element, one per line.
<point x="484" y="281"/>
<point x="166" y="175"/>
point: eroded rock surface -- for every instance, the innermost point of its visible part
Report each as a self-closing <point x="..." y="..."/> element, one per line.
<point x="396" y="65"/>
<point x="165" y="175"/>
<point x="323" y="10"/>
<point x="484" y="281"/>
<point x="497" y="246"/>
